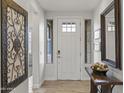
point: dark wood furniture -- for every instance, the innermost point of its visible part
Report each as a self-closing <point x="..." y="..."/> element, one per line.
<point x="103" y="84"/>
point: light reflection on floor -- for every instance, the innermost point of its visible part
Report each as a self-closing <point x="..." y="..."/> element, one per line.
<point x="30" y="85"/>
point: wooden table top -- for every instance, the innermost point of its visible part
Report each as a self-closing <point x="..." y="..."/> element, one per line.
<point x="102" y="80"/>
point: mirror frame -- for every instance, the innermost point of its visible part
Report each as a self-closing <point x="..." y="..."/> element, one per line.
<point x="117" y="6"/>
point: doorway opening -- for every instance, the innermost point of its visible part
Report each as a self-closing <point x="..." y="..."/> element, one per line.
<point x="49" y="41"/>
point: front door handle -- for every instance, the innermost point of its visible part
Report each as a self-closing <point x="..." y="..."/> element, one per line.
<point x="58" y="53"/>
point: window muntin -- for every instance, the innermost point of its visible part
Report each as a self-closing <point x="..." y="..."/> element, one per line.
<point x="68" y="27"/>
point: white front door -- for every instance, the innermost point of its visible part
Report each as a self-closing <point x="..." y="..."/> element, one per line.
<point x="69" y="49"/>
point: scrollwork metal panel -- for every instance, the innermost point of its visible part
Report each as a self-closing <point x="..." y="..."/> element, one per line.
<point x="14" y="49"/>
<point x="15" y="45"/>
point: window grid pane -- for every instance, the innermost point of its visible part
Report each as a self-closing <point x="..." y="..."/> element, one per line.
<point x="73" y="29"/>
<point x="68" y="27"/>
<point x="64" y="29"/>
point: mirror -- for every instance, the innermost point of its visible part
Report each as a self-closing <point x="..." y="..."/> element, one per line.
<point x="111" y="35"/>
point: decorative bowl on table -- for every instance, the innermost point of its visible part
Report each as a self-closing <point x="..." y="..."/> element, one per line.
<point x="99" y="68"/>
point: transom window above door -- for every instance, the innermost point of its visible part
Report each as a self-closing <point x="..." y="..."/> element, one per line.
<point x="68" y="27"/>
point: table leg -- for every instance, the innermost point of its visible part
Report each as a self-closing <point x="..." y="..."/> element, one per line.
<point x="93" y="88"/>
<point x="106" y="89"/>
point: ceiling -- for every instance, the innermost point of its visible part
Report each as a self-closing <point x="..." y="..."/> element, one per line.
<point x="69" y="5"/>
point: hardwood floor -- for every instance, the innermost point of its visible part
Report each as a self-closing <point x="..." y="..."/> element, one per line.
<point x="64" y="87"/>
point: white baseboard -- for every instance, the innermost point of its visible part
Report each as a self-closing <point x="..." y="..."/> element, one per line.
<point x="50" y="78"/>
<point x="35" y="86"/>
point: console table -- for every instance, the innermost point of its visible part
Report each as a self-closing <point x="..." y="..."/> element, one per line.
<point x="102" y="84"/>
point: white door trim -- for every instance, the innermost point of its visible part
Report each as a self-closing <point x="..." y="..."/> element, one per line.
<point x="51" y="69"/>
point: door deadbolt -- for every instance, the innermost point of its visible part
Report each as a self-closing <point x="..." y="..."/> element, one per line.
<point x="58" y="52"/>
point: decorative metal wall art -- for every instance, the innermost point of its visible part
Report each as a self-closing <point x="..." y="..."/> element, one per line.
<point x="14" y="48"/>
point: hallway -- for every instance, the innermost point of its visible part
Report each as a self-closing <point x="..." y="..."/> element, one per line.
<point x="61" y="46"/>
<point x="64" y="87"/>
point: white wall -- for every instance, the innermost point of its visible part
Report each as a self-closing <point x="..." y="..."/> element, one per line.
<point x="22" y="88"/>
<point x="97" y="55"/>
<point x="51" y="69"/>
<point x="37" y="24"/>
